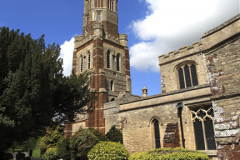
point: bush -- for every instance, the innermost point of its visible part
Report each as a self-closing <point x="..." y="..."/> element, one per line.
<point x="169" y="154"/>
<point x="84" y="140"/>
<point x="63" y="150"/>
<point x="114" y="135"/>
<point x="51" y="154"/>
<point x="108" y="150"/>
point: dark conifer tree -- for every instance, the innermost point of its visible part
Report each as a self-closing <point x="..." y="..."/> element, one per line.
<point x="33" y="89"/>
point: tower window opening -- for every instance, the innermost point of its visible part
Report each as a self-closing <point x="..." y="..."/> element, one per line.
<point x="108" y="59"/>
<point x="112" y="85"/>
<point x="99" y="17"/>
<point x="89" y="61"/>
<point x="81" y="63"/>
<point x="187" y="75"/>
<point x="118" y="62"/>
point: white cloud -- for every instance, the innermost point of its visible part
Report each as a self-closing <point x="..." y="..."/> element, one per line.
<point x="67" y="54"/>
<point x="171" y="24"/>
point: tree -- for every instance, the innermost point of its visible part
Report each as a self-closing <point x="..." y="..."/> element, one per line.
<point x="84" y="140"/>
<point x="53" y="137"/>
<point x="33" y="89"/>
<point x="63" y="149"/>
<point x="114" y="135"/>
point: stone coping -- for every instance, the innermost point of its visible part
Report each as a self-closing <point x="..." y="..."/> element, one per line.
<point x="237" y="17"/>
<point x="168" y="93"/>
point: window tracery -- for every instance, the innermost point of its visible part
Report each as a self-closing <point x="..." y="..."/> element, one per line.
<point x="202" y="119"/>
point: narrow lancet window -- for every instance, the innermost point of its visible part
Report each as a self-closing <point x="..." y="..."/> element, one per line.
<point x="89" y="61"/>
<point x="118" y="62"/>
<point x="156" y="134"/>
<point x="108" y="59"/>
<point x="112" y="85"/>
<point x="81" y="61"/>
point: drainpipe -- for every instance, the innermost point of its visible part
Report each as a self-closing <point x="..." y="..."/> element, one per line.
<point x="179" y="106"/>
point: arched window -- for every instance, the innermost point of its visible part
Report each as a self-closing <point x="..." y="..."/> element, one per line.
<point x="203" y="119"/>
<point x="108" y="59"/>
<point x="187" y="75"/>
<point x="89" y="60"/>
<point x="112" y="85"/>
<point x="156" y="134"/>
<point x="118" y="62"/>
<point x="81" y="63"/>
<point x="112" y="99"/>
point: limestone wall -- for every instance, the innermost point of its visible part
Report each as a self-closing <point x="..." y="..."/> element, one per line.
<point x="169" y="65"/>
<point x="222" y="51"/>
<point x="136" y="116"/>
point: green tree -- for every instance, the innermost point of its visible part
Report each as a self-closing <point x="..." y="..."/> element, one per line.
<point x="33" y="89"/>
<point x="114" y="135"/>
<point x="63" y="149"/>
<point x="53" y="137"/>
<point x="84" y="140"/>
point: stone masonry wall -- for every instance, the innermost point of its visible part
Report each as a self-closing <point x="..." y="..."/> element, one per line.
<point x="222" y="46"/>
<point x="168" y="66"/>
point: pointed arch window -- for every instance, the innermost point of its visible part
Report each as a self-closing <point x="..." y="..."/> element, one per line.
<point x="204" y="128"/>
<point x="118" y="62"/>
<point x="156" y="134"/>
<point x="108" y="59"/>
<point x="187" y="76"/>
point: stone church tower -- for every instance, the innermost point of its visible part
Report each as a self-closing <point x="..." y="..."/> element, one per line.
<point x="103" y="52"/>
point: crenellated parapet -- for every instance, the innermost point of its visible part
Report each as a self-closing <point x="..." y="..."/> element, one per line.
<point x="181" y="53"/>
<point x="80" y="40"/>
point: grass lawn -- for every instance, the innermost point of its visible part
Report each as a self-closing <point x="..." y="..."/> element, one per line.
<point x="36" y="154"/>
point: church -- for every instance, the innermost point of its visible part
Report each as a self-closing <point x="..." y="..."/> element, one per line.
<point x="199" y="106"/>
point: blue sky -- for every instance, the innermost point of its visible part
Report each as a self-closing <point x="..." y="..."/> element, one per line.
<point x="154" y="27"/>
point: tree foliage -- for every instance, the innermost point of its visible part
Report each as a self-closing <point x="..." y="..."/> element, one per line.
<point x="53" y="137"/>
<point x="108" y="151"/>
<point x="114" y="135"/>
<point x="63" y="149"/>
<point x="33" y="89"/>
<point x="84" y="140"/>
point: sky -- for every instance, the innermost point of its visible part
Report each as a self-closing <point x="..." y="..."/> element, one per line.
<point x="154" y="27"/>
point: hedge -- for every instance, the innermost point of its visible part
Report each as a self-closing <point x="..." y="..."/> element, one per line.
<point x="169" y="154"/>
<point x="107" y="151"/>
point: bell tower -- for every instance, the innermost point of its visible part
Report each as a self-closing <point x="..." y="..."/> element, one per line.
<point x="103" y="52"/>
<point x="104" y="11"/>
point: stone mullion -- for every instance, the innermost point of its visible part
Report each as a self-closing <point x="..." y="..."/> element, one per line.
<point x="184" y="77"/>
<point x="190" y="72"/>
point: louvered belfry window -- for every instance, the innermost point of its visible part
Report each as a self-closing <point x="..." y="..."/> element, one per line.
<point x="187" y="75"/>
<point x="157" y="134"/>
<point x="203" y="128"/>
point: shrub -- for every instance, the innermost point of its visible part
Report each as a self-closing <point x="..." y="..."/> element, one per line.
<point x="52" y="137"/>
<point x="84" y="140"/>
<point x="114" y="135"/>
<point x="169" y="154"/>
<point x="108" y="150"/>
<point x="51" y="154"/>
<point x="63" y="150"/>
